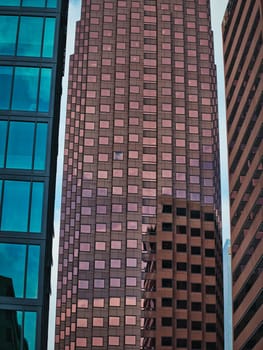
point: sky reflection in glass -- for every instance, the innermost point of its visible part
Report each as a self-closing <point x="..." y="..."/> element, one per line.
<point x="20" y="264"/>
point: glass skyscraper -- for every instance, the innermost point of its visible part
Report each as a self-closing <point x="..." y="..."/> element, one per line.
<point x="32" y="42"/>
<point x="140" y="263"/>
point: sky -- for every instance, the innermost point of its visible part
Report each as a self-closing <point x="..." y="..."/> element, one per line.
<point x="217" y="13"/>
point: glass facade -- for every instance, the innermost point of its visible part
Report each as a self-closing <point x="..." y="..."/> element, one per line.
<point x="32" y="43"/>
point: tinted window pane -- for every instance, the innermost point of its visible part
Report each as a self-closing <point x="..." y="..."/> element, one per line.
<point x="36" y="207"/>
<point x="8" y="29"/>
<point x="30" y="36"/>
<point x="12" y="269"/>
<point x="15" y="206"/>
<point x="32" y="3"/>
<point x="52" y="3"/>
<point x="20" y="145"/>
<point x="3" y="131"/>
<point x="40" y="146"/>
<point x="25" y="89"/>
<point x="5" y="80"/>
<point x="30" y="325"/>
<point x="49" y="37"/>
<point x="32" y="272"/>
<point x="45" y="86"/>
<point x="10" y="2"/>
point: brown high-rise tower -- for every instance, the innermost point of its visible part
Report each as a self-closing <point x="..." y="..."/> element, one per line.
<point x="140" y="251"/>
<point x="243" y="53"/>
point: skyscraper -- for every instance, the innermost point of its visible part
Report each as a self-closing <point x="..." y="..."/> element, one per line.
<point x="227" y="272"/>
<point x="140" y="250"/>
<point x="243" y="52"/>
<point x="32" y="42"/>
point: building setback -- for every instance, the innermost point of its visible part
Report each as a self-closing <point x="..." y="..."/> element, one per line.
<point x="243" y="52"/>
<point x="140" y="263"/>
<point x="32" y="43"/>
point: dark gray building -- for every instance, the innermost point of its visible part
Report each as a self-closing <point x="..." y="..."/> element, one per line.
<point x="32" y="43"/>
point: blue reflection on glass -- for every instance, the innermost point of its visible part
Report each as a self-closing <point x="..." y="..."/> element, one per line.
<point x="8" y="29"/>
<point x="32" y="272"/>
<point x="49" y="37"/>
<point x="20" y="145"/>
<point x="40" y="146"/>
<point x="32" y="3"/>
<point x="12" y="267"/>
<point x="45" y="89"/>
<point x="10" y="2"/>
<point x="52" y="3"/>
<point x="30" y="36"/>
<point x="15" y="207"/>
<point x="6" y="81"/>
<point x="3" y="132"/>
<point x="25" y="89"/>
<point x="30" y="328"/>
<point x="36" y="207"/>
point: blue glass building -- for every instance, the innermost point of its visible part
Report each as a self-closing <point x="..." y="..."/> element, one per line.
<point x="32" y="44"/>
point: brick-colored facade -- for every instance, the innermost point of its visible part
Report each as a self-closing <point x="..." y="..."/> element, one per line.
<point x="243" y="52"/>
<point x="140" y="250"/>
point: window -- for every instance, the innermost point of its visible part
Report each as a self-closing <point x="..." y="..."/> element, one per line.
<point x="196" y="306"/>
<point x="210" y="308"/>
<point x="20" y="270"/>
<point x="181" y="229"/>
<point x="167" y="321"/>
<point x="180" y="247"/>
<point x="26" y="217"/>
<point x="196" y="287"/>
<point x="181" y="343"/>
<point x="196" y="325"/>
<point x="181" y="323"/>
<point x="167" y="226"/>
<point x="167" y="208"/>
<point x="167" y="245"/>
<point x="181" y="304"/>
<point x="30" y="3"/>
<point x="181" y="266"/>
<point x="167" y="264"/>
<point x="209" y="217"/>
<point x="166" y="341"/>
<point x="26" y="323"/>
<point x="195" y="214"/>
<point x="195" y="232"/>
<point x="181" y="211"/>
<point x="210" y="253"/>
<point x="23" y="145"/>
<point x="196" y="344"/>
<point x="181" y="285"/>
<point x="27" y="36"/>
<point x="167" y="302"/>
<point x="195" y="250"/>
<point x="210" y="289"/>
<point x="210" y="271"/>
<point x="26" y="88"/>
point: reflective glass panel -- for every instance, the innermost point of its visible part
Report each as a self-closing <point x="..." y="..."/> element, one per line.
<point x="3" y="132"/>
<point x="36" y="207"/>
<point x="25" y="89"/>
<point x="20" y="145"/>
<point x="15" y="206"/>
<point x="49" y="37"/>
<point x="8" y="29"/>
<point x="52" y="3"/>
<point x="45" y="87"/>
<point x="40" y="146"/>
<point x="17" y="327"/>
<point x="32" y="271"/>
<point x="6" y="81"/>
<point x="19" y="270"/>
<point x="32" y="3"/>
<point x="30" y="36"/>
<point x="10" y="3"/>
<point x="12" y="269"/>
<point x="30" y="329"/>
